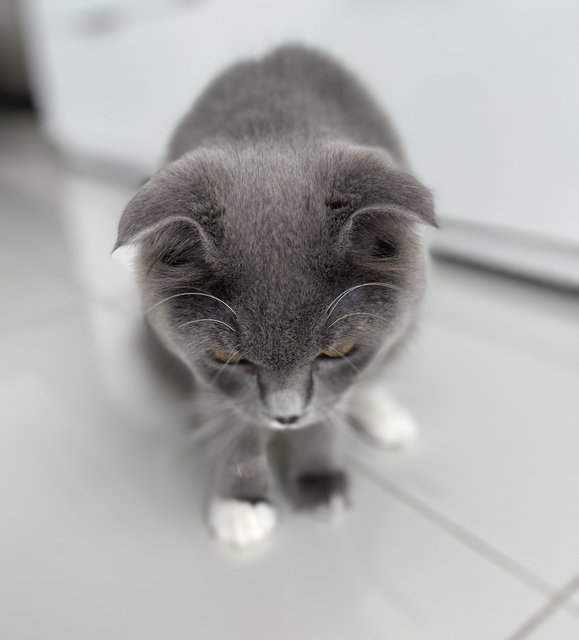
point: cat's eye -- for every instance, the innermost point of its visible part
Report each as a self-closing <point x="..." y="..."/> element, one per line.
<point x="227" y="357"/>
<point x="340" y="351"/>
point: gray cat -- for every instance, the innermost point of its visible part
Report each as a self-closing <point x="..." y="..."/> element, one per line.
<point x="280" y="254"/>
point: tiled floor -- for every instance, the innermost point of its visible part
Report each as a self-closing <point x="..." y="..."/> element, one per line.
<point x="472" y="535"/>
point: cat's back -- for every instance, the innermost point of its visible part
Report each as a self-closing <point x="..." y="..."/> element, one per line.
<point x="293" y="93"/>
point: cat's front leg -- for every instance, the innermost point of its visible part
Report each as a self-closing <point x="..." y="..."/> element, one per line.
<point x="376" y="413"/>
<point x="241" y="509"/>
<point x="312" y="471"/>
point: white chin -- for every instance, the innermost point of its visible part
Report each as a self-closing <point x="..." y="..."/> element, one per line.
<point x="277" y="426"/>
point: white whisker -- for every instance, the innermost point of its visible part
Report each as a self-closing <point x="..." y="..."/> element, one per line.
<point x="358" y="313"/>
<point x="351" y="364"/>
<point x="338" y="299"/>
<point x="235" y="351"/>
<point x="211" y="427"/>
<point x="177" y="295"/>
<point x="185" y="324"/>
<point x="228" y="441"/>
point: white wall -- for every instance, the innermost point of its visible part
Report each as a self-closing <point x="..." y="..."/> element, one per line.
<point x="486" y="93"/>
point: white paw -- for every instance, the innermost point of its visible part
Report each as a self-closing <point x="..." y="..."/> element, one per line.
<point x="240" y="523"/>
<point x="385" y="420"/>
<point x="332" y="511"/>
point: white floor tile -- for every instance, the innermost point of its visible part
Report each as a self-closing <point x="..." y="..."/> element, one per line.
<point x="90" y="211"/>
<point x="102" y="533"/>
<point x="31" y="175"/>
<point x="536" y="321"/>
<point x="28" y="162"/>
<point x="561" y="626"/>
<point x="97" y="351"/>
<point x="499" y="446"/>
<point x="62" y="221"/>
<point x="32" y="228"/>
<point x="28" y="292"/>
<point x="103" y="537"/>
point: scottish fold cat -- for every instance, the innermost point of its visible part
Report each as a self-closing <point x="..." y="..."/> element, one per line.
<point x="279" y="254"/>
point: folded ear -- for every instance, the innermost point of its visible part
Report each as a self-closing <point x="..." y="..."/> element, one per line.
<point x="179" y="199"/>
<point x="126" y="250"/>
<point x="368" y="177"/>
<point x="176" y="242"/>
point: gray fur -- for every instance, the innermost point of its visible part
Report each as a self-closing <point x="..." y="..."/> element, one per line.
<point x="244" y="472"/>
<point x="310" y="460"/>
<point x="285" y="186"/>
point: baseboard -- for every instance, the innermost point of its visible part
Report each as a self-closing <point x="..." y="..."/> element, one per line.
<point x="544" y="259"/>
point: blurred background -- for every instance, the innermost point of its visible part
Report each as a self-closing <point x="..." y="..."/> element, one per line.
<point x="474" y="533"/>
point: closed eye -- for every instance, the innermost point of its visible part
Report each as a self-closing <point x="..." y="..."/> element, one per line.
<point x="228" y="357"/>
<point x="339" y="351"/>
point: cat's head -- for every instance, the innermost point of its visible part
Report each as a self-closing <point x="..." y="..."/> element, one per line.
<point x="278" y="274"/>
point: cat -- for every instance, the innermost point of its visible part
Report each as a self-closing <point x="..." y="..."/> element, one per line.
<point x="280" y="256"/>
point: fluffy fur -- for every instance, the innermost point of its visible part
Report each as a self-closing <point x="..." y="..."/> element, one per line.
<point x="284" y="225"/>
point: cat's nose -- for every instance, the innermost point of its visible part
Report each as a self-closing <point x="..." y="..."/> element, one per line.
<point x="287" y="419"/>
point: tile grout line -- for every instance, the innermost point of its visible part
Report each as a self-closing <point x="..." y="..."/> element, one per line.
<point x="557" y="603"/>
<point x="572" y="606"/>
<point x="506" y="563"/>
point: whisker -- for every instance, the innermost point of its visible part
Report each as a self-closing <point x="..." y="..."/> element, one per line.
<point x="342" y="422"/>
<point x="185" y="324"/>
<point x="223" y="434"/>
<point x="228" y="442"/>
<point x="338" y="299"/>
<point x="357" y="313"/>
<point x="351" y="364"/>
<point x="327" y="409"/>
<point x="235" y="408"/>
<point x="203" y="431"/>
<point x="235" y="351"/>
<point x="177" y="295"/>
<point x="208" y="430"/>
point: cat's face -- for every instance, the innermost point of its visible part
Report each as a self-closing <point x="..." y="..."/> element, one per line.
<point x="278" y="276"/>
